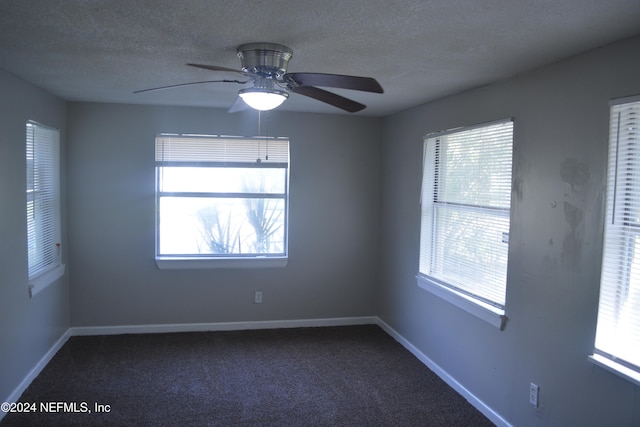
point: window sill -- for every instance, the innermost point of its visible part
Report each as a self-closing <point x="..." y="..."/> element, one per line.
<point x="169" y="263"/>
<point x="481" y="310"/>
<point x="42" y="281"/>
<point x="616" y="368"/>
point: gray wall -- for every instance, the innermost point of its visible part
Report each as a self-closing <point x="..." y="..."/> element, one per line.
<point x="560" y="151"/>
<point x="333" y="230"/>
<point x="28" y="327"/>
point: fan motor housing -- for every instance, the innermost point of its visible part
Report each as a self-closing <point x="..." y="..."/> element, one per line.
<point x="266" y="59"/>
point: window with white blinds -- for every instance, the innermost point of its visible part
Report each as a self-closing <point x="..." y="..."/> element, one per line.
<point x="43" y="199"/>
<point x="221" y="197"/>
<point x="617" y="342"/>
<point x="466" y="199"/>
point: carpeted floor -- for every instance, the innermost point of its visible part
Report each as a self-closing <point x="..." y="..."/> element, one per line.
<point x="334" y="376"/>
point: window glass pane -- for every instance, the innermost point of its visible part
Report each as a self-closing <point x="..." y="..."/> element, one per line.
<point x="221" y="197"/>
<point x="471" y="252"/>
<point x="231" y="226"/>
<point x="466" y="198"/>
<point x="42" y="198"/>
<point x="222" y="179"/>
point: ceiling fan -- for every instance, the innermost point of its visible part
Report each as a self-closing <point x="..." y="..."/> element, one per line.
<point x="264" y="65"/>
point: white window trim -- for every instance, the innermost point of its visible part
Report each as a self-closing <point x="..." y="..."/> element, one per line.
<point x="490" y="314"/>
<point x="219" y="261"/>
<point x="180" y="263"/>
<point x="42" y="281"/>
<point x="615" y="368"/>
<point x="495" y="316"/>
<point x="37" y="282"/>
<point x="610" y="363"/>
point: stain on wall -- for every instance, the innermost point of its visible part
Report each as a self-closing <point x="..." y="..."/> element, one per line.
<point x="572" y="244"/>
<point x="577" y="175"/>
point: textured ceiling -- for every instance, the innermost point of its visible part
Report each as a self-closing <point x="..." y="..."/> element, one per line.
<point x="419" y="50"/>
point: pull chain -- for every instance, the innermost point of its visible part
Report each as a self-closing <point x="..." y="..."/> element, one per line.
<point x="258" y="160"/>
<point x="266" y="137"/>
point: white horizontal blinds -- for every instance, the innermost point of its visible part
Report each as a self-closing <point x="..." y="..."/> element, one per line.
<point x="43" y="221"/>
<point x="474" y="166"/>
<point x="466" y="204"/>
<point x="202" y="148"/>
<point x="427" y="242"/>
<point x="618" y="331"/>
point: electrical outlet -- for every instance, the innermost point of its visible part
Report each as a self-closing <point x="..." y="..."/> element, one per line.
<point x="534" y="392"/>
<point x="257" y="297"/>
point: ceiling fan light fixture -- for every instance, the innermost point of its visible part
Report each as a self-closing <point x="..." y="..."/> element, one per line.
<point x="263" y="99"/>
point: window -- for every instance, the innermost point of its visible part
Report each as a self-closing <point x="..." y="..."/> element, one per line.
<point x="221" y="201"/>
<point x="43" y="206"/>
<point x="466" y="198"/>
<point x="617" y="342"/>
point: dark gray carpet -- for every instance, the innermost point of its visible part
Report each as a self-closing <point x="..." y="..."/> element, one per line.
<point x="334" y="376"/>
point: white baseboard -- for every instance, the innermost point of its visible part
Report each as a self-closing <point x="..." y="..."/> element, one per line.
<point x="221" y="326"/>
<point x="452" y="382"/>
<point x="17" y="392"/>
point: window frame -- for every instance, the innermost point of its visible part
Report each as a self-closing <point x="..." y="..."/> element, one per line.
<point x="619" y="235"/>
<point x="212" y="260"/>
<point x="43" y="226"/>
<point x="486" y="310"/>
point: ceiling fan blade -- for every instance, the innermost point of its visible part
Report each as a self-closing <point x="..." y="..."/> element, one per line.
<point x="189" y="84"/>
<point x="366" y="84"/>
<point x="330" y="98"/>
<point x="225" y="69"/>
